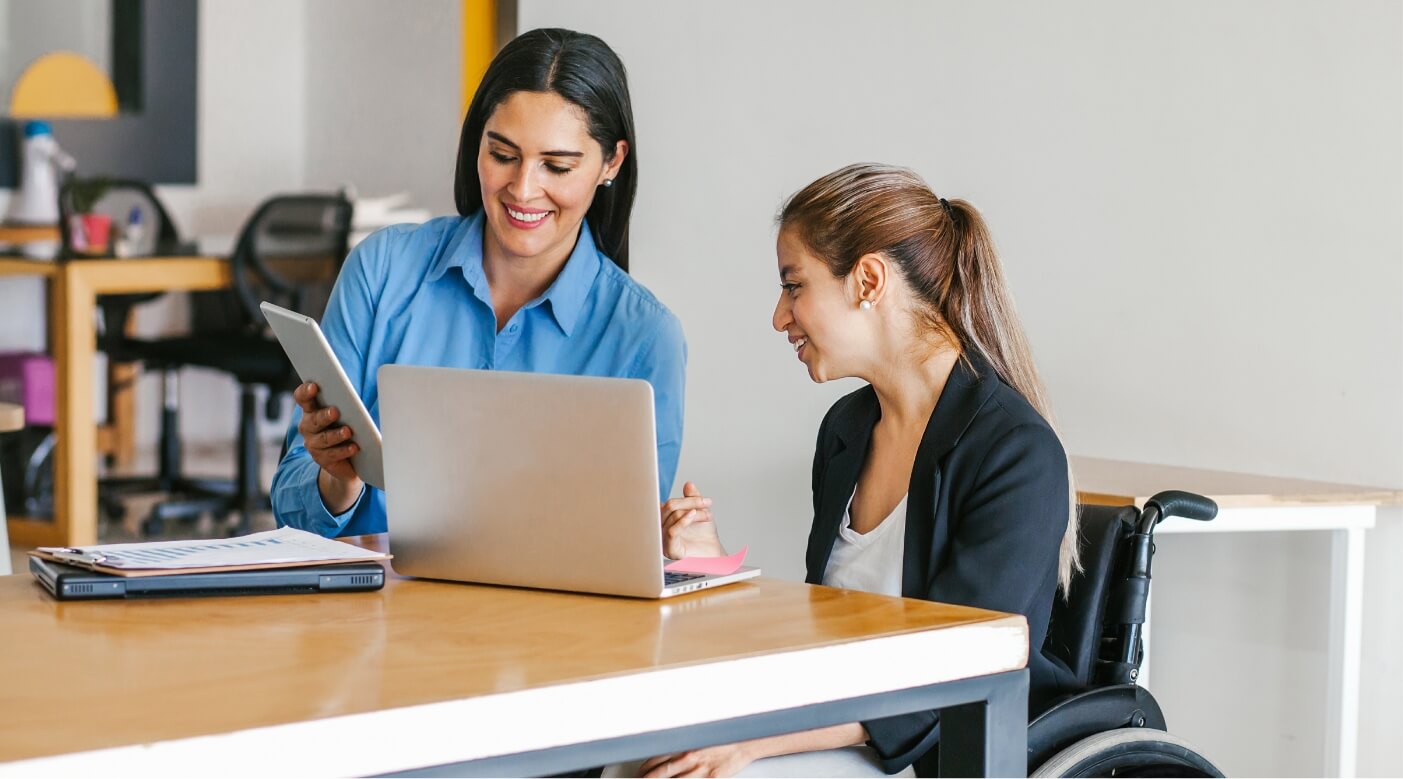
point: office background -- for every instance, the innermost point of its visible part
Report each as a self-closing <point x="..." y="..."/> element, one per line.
<point x="1199" y="206"/>
<point x="1200" y="211"/>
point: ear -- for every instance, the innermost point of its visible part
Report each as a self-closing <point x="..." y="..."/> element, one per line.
<point x="872" y="275"/>
<point x="611" y="169"/>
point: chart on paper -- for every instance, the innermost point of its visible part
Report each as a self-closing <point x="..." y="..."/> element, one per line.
<point x="284" y="545"/>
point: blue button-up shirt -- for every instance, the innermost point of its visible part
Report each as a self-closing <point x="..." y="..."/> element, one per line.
<point x="417" y="295"/>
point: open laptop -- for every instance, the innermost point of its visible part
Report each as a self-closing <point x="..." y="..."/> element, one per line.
<point x="69" y="582"/>
<point x="526" y="479"/>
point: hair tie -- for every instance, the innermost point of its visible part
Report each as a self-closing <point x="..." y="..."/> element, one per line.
<point x="945" y="204"/>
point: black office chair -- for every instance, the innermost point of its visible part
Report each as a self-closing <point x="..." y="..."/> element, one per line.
<point x="1105" y="724"/>
<point x="289" y="253"/>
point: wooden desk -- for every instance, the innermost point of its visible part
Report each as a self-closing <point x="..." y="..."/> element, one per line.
<point x="74" y="287"/>
<point x="485" y="680"/>
<point x="23" y="234"/>
<point x="1251" y="503"/>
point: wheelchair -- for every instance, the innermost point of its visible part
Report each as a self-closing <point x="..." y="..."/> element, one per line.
<point x="1104" y="723"/>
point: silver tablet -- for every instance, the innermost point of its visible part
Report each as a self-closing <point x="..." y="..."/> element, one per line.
<point x="311" y="355"/>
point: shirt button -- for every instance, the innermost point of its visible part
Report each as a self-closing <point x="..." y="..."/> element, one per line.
<point x="513" y="328"/>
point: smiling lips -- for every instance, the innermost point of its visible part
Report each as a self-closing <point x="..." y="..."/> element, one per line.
<point x="525" y="218"/>
<point x="799" y="345"/>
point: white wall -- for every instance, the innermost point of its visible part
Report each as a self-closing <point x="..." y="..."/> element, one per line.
<point x="252" y="112"/>
<point x="251" y="142"/>
<point x="312" y="94"/>
<point x="384" y="97"/>
<point x="1243" y="675"/>
<point x="1209" y="187"/>
<point x="74" y="25"/>
<point x="1200" y="210"/>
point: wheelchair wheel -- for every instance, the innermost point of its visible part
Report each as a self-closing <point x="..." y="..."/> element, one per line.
<point x="1129" y="752"/>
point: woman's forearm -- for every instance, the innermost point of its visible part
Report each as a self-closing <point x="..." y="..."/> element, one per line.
<point x="338" y="495"/>
<point x="835" y="737"/>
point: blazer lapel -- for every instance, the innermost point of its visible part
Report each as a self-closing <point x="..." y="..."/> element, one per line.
<point x="852" y="433"/>
<point x="969" y="387"/>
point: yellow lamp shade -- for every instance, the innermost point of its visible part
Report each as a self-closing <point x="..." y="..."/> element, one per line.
<point x="63" y="84"/>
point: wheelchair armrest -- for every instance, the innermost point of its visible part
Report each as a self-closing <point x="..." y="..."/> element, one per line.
<point x="1071" y="718"/>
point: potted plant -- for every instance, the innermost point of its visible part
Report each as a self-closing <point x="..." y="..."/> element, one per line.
<point x="89" y="231"/>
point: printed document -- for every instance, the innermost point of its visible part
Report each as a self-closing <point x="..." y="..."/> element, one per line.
<point x="282" y="546"/>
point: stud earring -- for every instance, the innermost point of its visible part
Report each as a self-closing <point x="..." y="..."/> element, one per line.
<point x="865" y="305"/>
<point x="608" y="183"/>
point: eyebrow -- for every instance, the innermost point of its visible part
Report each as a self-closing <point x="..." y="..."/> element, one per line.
<point x="787" y="270"/>
<point x="498" y="137"/>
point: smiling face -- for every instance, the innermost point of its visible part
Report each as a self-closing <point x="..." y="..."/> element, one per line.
<point x="818" y="312"/>
<point x="539" y="169"/>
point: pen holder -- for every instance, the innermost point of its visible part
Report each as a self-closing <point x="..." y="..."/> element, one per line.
<point x="91" y="233"/>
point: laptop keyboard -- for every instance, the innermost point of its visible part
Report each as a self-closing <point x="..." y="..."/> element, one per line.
<point x="670" y="578"/>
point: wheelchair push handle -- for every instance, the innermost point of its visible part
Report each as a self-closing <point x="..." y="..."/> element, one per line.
<point x="1176" y="503"/>
<point x="1129" y="597"/>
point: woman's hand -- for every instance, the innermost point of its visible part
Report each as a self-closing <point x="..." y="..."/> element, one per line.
<point x="688" y="529"/>
<point x="724" y="760"/>
<point x="331" y="448"/>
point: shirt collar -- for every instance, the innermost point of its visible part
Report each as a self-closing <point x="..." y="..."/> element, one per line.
<point x="572" y="287"/>
<point x="567" y="294"/>
<point x="464" y="251"/>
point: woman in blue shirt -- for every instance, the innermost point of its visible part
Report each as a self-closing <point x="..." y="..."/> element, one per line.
<point x="531" y="276"/>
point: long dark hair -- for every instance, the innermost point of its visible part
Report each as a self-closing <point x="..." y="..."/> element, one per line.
<point x="944" y="251"/>
<point x="584" y="71"/>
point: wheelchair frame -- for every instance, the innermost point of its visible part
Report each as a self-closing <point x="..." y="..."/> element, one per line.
<point x="1110" y="699"/>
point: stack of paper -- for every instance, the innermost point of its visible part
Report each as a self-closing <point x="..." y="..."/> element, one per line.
<point x="282" y="548"/>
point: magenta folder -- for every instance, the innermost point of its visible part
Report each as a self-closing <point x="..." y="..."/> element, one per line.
<point x="27" y="379"/>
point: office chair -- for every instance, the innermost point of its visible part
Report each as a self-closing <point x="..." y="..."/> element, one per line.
<point x="1105" y="724"/>
<point x="120" y="199"/>
<point x="288" y="253"/>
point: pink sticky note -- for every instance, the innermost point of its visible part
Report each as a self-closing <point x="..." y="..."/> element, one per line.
<point x="712" y="566"/>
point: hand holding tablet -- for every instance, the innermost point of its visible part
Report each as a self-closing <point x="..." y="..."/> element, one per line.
<point x="334" y="403"/>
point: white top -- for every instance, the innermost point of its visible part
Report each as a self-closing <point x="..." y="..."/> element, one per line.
<point x="869" y="561"/>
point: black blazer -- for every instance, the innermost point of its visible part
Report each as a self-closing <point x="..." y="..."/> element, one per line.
<point x="985" y="516"/>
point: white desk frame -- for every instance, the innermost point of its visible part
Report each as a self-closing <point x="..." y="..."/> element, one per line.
<point x="1347" y="525"/>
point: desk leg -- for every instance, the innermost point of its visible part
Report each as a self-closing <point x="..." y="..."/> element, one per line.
<point x="988" y="738"/>
<point x="1346" y="644"/>
<point x="75" y="425"/>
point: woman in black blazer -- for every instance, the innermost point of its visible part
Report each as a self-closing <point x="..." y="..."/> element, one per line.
<point x="943" y="479"/>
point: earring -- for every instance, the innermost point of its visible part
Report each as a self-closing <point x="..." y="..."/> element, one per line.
<point x="608" y="183"/>
<point x="865" y="305"/>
